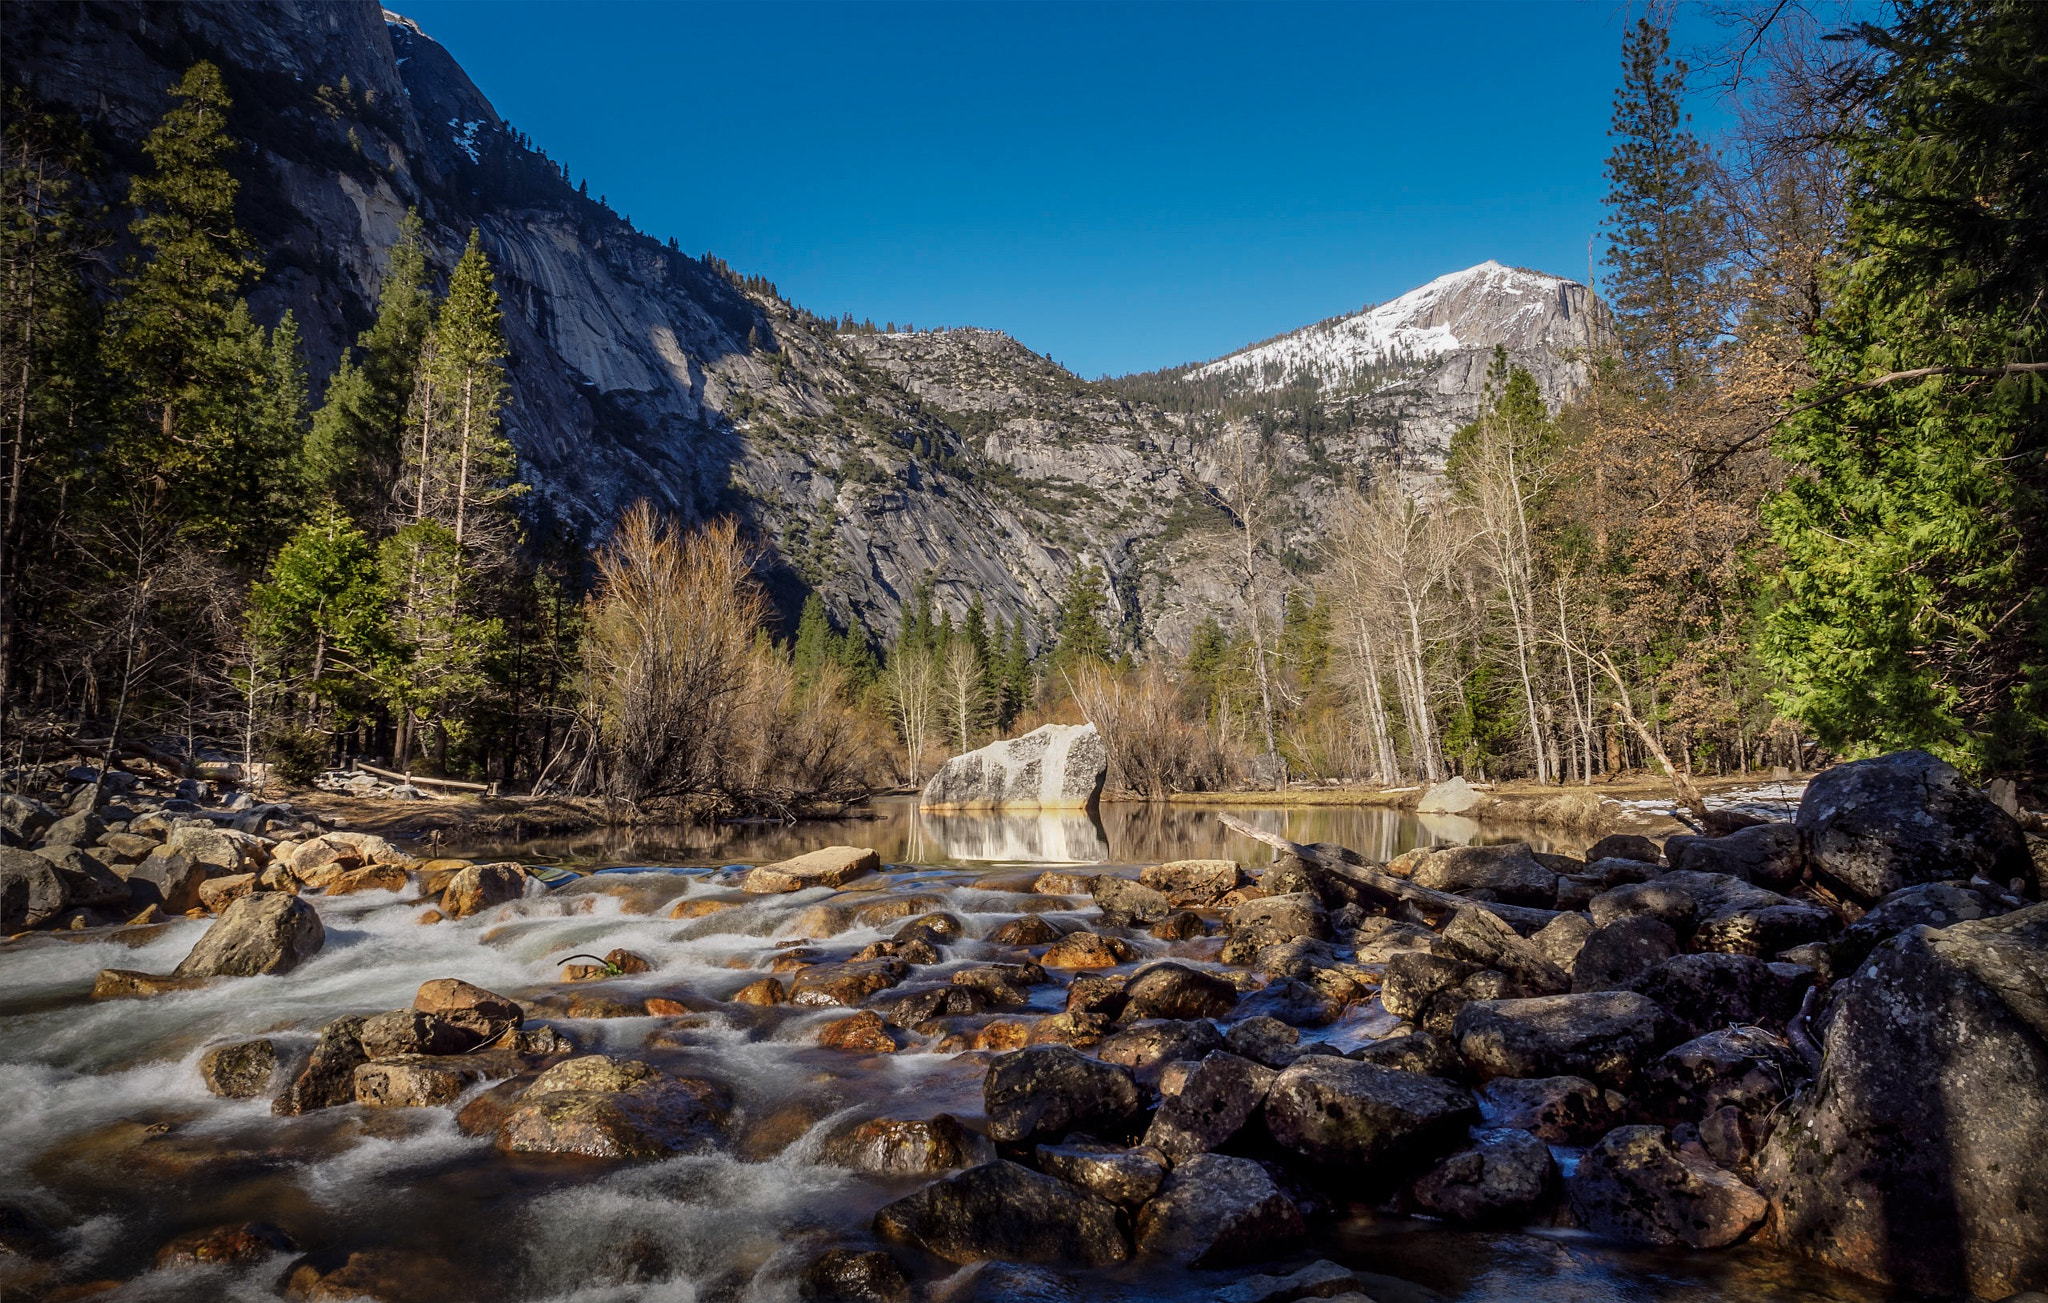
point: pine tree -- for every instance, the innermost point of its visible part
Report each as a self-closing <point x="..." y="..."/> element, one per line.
<point x="182" y="331"/>
<point x="1015" y="676"/>
<point x="322" y="614"/>
<point x="1665" y="234"/>
<point x="469" y="350"/>
<point x="1082" y="638"/>
<point x="1915" y="607"/>
<point x="353" y="453"/>
<point x="812" y="648"/>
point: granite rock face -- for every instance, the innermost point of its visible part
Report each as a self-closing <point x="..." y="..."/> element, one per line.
<point x="1874" y="826"/>
<point x="1057" y="767"/>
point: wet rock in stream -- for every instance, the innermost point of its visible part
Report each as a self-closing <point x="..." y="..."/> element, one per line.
<point x="1005" y="1211"/>
<point x="604" y="1107"/>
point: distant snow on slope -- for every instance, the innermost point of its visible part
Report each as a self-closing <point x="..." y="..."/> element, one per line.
<point x="1476" y="308"/>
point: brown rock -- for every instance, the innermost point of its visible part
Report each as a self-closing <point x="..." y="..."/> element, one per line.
<point x="701" y="907"/>
<point x="240" y="1245"/>
<point x="414" y="1081"/>
<point x="864" y="1033"/>
<point x="467" y="1006"/>
<point x="602" y="1107"/>
<point x="373" y="877"/>
<point x="217" y="894"/>
<point x="1193" y="882"/>
<point x="1003" y="1034"/>
<point x="765" y="991"/>
<point x="481" y="886"/>
<point x="845" y="984"/>
<point x="895" y="1147"/>
<point x="256" y="936"/>
<point x="241" y="1071"/>
<point x="1060" y="884"/>
<point x="1027" y="931"/>
<point x="126" y="983"/>
<point x="1086" y="950"/>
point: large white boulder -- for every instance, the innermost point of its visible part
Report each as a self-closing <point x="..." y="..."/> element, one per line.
<point x="1058" y="767"/>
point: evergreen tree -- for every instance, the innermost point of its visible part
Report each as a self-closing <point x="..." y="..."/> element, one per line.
<point x="322" y="614"/>
<point x="1665" y="234"/>
<point x="183" y="333"/>
<point x="1081" y="636"/>
<point x="1014" y="675"/>
<point x="353" y="453"/>
<point x="812" y="648"/>
<point x="1915" y="577"/>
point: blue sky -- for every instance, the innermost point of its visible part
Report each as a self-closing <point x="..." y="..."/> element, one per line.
<point x="1121" y="186"/>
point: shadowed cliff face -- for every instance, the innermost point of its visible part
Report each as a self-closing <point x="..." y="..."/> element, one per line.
<point x="863" y="462"/>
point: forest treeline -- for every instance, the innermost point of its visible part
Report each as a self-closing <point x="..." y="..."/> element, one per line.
<point x="1795" y="507"/>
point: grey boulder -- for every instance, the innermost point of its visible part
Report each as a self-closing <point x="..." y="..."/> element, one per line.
<point x="267" y="933"/>
<point x="1215" y="1211"/>
<point x="1874" y="826"/>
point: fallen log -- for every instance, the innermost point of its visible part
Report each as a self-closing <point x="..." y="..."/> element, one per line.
<point x="416" y="780"/>
<point x="1362" y="876"/>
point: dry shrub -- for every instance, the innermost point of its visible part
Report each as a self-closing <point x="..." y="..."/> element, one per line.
<point x="686" y="702"/>
<point x="1154" y="746"/>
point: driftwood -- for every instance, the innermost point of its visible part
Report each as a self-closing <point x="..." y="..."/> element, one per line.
<point x="95" y="747"/>
<point x="1364" y="877"/>
<point x="416" y="780"/>
<point x="1801" y="1039"/>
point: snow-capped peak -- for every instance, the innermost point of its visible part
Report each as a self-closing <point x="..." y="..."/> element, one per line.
<point x="1479" y="307"/>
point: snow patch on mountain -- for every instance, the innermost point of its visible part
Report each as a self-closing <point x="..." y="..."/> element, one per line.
<point x="1477" y="308"/>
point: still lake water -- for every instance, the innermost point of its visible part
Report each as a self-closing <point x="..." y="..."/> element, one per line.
<point x="109" y="1138"/>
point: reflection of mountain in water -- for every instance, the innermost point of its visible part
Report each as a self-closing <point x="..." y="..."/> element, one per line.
<point x="1030" y="838"/>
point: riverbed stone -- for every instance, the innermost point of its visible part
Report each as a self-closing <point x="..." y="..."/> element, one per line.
<point x="864" y="1033"/>
<point x="1742" y="918"/>
<point x="1001" y="1210"/>
<point x="239" y="1245"/>
<point x="1217" y="1099"/>
<point x="901" y="1147"/>
<point x="1746" y="1068"/>
<point x="762" y="990"/>
<point x="328" y="1077"/>
<point x="484" y="1012"/>
<point x="1146" y="1047"/>
<point x="1001" y="986"/>
<point x="854" y="1276"/>
<point x="1929" y="904"/>
<point x="1432" y="1056"/>
<point x="414" y="1080"/>
<point x="1053" y="767"/>
<point x="481" y="886"/>
<point x="1556" y="1110"/>
<point x="1874" y="826"/>
<point x="605" y="1107"/>
<point x="829" y="866"/>
<point x="1412" y="979"/>
<point x="1043" y="1092"/>
<point x="1125" y="1177"/>
<point x="1916" y="1158"/>
<point x="1171" y="990"/>
<point x="1508" y="873"/>
<point x="1087" y="950"/>
<point x="1560" y="940"/>
<point x="1341" y="1113"/>
<point x="1635" y="1185"/>
<point x="1604" y="1035"/>
<point x="1193" y="882"/>
<point x="1706" y="992"/>
<point x="31" y="890"/>
<point x="1126" y="902"/>
<point x="1214" y="1211"/>
<point x="1624" y="846"/>
<point x="1500" y="1178"/>
<point x="258" y="935"/>
<point x="1481" y="934"/>
<point x="1768" y="854"/>
<point x="89" y="882"/>
<point x="845" y="984"/>
<point x="1029" y="930"/>
<point x="1264" y="1040"/>
<point x="1273" y="920"/>
<point x="1621" y="951"/>
<point x="239" y="1071"/>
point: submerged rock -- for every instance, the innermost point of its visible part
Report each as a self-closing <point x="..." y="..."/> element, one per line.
<point x="237" y="1245"/>
<point x="1003" y="1211"/>
<point x="1501" y="1178"/>
<point x="240" y="1071"/>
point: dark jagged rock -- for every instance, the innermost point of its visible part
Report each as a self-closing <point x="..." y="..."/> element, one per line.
<point x="226" y="1246"/>
<point x="1931" y="904"/>
<point x="1043" y="1092"/>
<point x="1917" y="1158"/>
<point x="1744" y="1067"/>
<point x="1556" y="1110"/>
<point x="1706" y="992"/>
<point x="1271" y="920"/>
<point x="1742" y="918"/>
<point x="1003" y="1211"/>
<point x="853" y="1276"/>
<point x="1342" y="1113"/>
<point x="1874" y="826"/>
<point x="1509" y="874"/>
<point x="1483" y="936"/>
<point x="1411" y="979"/>
<point x="1634" y="1185"/>
<point x="1147" y="1047"/>
<point x="1126" y="902"/>
<point x="1218" y="1099"/>
<point x="1621" y="951"/>
<point x="1215" y="1211"/>
<point x="1295" y="1003"/>
<point x="328" y="1078"/>
<point x="1125" y="1177"/>
<point x="1264" y="1040"/>
<point x="1561" y="939"/>
<point x="897" y="1147"/>
<point x="1662" y="900"/>
<point x="1433" y="1056"/>
<point x="1624" y="846"/>
<point x="1500" y="1178"/>
<point x="1604" y="1035"/>
<point x="1768" y="854"/>
<point x="239" y="1071"/>
<point x="31" y="890"/>
<point x="1320" y="1279"/>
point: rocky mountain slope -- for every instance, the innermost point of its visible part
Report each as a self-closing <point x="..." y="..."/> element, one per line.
<point x="865" y="462"/>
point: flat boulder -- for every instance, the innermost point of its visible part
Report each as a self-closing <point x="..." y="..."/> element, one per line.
<point x="1874" y="826"/>
<point x="1604" y="1035"/>
<point x="1054" y="767"/>
<point x="1501" y="1178"/>
<point x="604" y="1107"/>
<point x="1086" y="950"/>
<point x="1214" y="1211"/>
<point x="1147" y="1047"/>
<point x="1341" y="1113"/>
<point x="1125" y="1177"/>
<point x="845" y="984"/>
<point x="831" y="866"/>
<point x="1916" y="1158"/>
<point x="256" y="936"/>
<point x="1634" y="1185"/>
<point x="415" y="1081"/>
<point x="1043" y="1092"/>
<point x="1001" y="1210"/>
<point x="1509" y="874"/>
